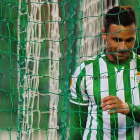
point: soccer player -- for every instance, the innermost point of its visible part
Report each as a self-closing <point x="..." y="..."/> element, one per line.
<point x="105" y="91"/>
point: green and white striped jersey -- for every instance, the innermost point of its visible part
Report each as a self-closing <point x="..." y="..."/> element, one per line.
<point x="97" y="78"/>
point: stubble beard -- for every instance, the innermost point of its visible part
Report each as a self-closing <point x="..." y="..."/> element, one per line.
<point x="114" y="55"/>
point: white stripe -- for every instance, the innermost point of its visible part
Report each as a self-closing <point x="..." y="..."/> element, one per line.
<point x="94" y="123"/>
<point x="89" y="85"/>
<point x="105" y="93"/>
<point x="84" y="104"/>
<point x="92" y="105"/>
<point x="74" y="80"/>
<point x="88" y="123"/>
<point x="135" y="95"/>
<point x="89" y="81"/>
<point x="120" y="94"/>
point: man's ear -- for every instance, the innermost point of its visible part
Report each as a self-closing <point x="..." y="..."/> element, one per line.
<point x="103" y="33"/>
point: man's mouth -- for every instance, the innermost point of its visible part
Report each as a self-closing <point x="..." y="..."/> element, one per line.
<point x="121" y="53"/>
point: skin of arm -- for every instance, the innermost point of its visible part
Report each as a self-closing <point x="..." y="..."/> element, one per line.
<point x="118" y="106"/>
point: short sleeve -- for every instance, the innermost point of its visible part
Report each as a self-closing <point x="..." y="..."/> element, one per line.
<point x="78" y="92"/>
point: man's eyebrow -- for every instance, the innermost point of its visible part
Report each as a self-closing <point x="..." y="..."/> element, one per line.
<point x="120" y="39"/>
<point x="117" y="38"/>
<point x="131" y="38"/>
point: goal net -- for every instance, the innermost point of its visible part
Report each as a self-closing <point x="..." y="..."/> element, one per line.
<point x="41" y="44"/>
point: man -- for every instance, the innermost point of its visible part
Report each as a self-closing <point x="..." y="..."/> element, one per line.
<point x="105" y="91"/>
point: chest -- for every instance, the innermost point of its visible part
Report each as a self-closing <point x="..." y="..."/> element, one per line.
<point x="123" y="84"/>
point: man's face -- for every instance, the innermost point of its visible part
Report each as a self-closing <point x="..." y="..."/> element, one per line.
<point x="120" y="42"/>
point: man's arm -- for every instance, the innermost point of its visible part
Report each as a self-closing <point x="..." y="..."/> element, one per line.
<point x="79" y="104"/>
<point x="118" y="106"/>
<point x="78" y="118"/>
<point x="134" y="112"/>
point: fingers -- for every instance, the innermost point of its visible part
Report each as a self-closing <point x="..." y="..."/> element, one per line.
<point x="114" y="105"/>
<point x="109" y="98"/>
<point x="118" y="110"/>
<point x="108" y="102"/>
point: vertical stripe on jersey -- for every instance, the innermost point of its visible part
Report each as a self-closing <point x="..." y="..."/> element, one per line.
<point x="120" y="94"/>
<point x="135" y="95"/>
<point x="104" y="93"/>
<point x="75" y="78"/>
<point x="90" y="125"/>
<point x="97" y="97"/>
<point x="78" y="86"/>
<point x="128" y="99"/>
<point x="112" y="91"/>
<point x="90" y="116"/>
<point x="139" y="104"/>
<point x="138" y="69"/>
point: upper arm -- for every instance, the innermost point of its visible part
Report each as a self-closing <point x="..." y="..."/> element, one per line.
<point x="78" y="92"/>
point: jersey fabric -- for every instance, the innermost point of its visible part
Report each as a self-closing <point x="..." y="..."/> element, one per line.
<point x="97" y="78"/>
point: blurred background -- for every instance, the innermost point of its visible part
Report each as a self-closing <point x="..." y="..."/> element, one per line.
<point x="41" y="44"/>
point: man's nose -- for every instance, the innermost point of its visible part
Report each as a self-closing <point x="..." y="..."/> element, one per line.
<point x="122" y="45"/>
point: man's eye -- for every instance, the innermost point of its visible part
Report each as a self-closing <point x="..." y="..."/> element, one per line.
<point x="129" y="40"/>
<point x="117" y="40"/>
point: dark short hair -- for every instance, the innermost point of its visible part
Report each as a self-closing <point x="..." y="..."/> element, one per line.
<point x="120" y="15"/>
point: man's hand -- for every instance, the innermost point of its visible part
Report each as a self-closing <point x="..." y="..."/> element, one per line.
<point x="114" y="104"/>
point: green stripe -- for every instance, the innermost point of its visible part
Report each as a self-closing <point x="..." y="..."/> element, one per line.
<point x="87" y="62"/>
<point x="138" y="70"/>
<point x="89" y="134"/>
<point x="78" y="85"/>
<point x="97" y="97"/>
<point x="112" y="91"/>
<point x="83" y="73"/>
<point x="139" y="89"/>
<point x="128" y="98"/>
<point x="138" y="63"/>
<point x="82" y="102"/>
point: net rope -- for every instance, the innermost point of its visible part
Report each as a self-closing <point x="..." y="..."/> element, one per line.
<point x="41" y="44"/>
<point x="93" y="13"/>
<point x="32" y="76"/>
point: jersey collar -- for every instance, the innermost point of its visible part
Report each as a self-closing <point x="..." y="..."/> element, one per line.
<point x="117" y="65"/>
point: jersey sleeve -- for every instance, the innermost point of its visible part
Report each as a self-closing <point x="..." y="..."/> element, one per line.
<point x="78" y="119"/>
<point x="79" y="95"/>
<point x="134" y="112"/>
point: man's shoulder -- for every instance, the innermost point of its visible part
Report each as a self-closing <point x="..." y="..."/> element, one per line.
<point x="90" y="60"/>
<point x="84" y="65"/>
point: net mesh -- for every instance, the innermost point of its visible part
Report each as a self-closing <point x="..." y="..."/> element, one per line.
<point x="93" y="12"/>
<point x="41" y="44"/>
